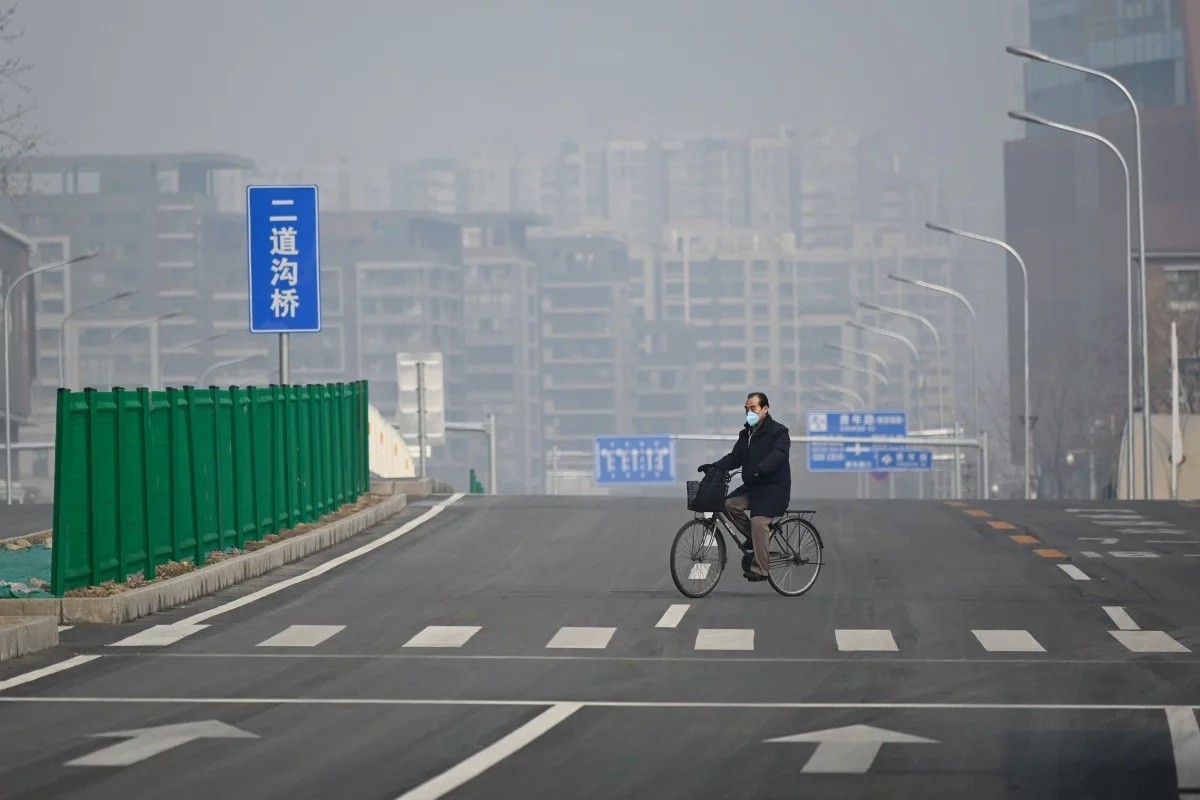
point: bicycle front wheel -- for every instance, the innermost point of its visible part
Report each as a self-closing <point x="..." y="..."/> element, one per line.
<point x="795" y="562"/>
<point x="697" y="558"/>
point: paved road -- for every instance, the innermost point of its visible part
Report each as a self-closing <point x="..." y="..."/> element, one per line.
<point x="23" y="519"/>
<point x="513" y="647"/>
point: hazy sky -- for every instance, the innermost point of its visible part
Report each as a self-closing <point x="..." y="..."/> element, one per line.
<point x="303" y="81"/>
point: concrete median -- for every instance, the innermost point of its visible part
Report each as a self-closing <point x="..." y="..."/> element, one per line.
<point x="24" y="635"/>
<point x="172" y="592"/>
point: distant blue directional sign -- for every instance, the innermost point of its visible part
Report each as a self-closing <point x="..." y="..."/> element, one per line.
<point x="864" y="423"/>
<point x="862" y="457"/>
<point x="623" y="460"/>
<point x="284" y="259"/>
<point x="867" y="458"/>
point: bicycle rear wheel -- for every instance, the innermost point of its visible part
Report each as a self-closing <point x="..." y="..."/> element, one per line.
<point x="697" y="558"/>
<point x="796" y="551"/>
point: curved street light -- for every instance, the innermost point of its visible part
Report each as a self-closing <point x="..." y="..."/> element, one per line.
<point x="1034" y="119"/>
<point x="864" y="353"/>
<point x="974" y="348"/>
<point x="221" y="364"/>
<point x="874" y="373"/>
<point x="1025" y="283"/>
<point x="829" y="387"/>
<point x="8" y="424"/>
<point x="62" y="328"/>
<point x="1035" y="55"/>
<point x="153" y="323"/>
<point x="937" y="343"/>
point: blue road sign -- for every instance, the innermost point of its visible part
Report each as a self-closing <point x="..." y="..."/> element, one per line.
<point x="858" y="423"/>
<point x="842" y="457"/>
<point x="283" y="250"/>
<point x="634" y="459"/>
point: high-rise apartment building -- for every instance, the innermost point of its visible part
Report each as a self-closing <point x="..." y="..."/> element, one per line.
<point x="502" y="341"/>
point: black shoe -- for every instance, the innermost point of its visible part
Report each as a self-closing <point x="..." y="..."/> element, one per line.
<point x="754" y="576"/>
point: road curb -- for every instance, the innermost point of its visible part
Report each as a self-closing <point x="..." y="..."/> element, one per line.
<point x="146" y="600"/>
<point x="24" y="635"/>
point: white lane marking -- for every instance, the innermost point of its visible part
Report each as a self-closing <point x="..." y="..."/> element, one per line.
<point x="1185" y="741"/>
<point x="419" y="655"/>
<point x="673" y="616"/>
<point x="321" y="569"/>
<point x="1121" y="618"/>
<point x="159" y="635"/>
<point x="1153" y="532"/>
<point x="1101" y="511"/>
<point x="491" y="755"/>
<point x="1091" y="554"/>
<point x="539" y="703"/>
<point x="1134" y="524"/>
<point x="302" y="636"/>
<point x="699" y="572"/>
<point x="1191" y="555"/>
<point x="725" y="639"/>
<point x="1148" y="642"/>
<point x="865" y="640"/>
<point x="443" y="636"/>
<point x="1008" y="642"/>
<point x="1132" y="554"/>
<point x="1074" y="571"/>
<point x="1171" y="541"/>
<point x="582" y="638"/>
<point x="34" y="674"/>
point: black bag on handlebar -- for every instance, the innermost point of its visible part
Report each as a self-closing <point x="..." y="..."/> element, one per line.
<point x="708" y="493"/>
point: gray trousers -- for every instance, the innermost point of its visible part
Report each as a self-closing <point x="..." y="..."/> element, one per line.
<point x="757" y="528"/>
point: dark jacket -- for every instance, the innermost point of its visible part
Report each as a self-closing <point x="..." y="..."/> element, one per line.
<point x="764" y="450"/>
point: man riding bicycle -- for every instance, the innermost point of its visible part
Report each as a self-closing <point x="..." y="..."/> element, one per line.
<point x="762" y="451"/>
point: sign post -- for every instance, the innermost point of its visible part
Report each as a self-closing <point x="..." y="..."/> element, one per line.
<point x="284" y="255"/>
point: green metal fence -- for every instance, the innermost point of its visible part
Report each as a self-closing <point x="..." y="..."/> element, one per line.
<point x="142" y="478"/>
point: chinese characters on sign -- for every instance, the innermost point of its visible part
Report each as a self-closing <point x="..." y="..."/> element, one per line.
<point x="284" y="259"/>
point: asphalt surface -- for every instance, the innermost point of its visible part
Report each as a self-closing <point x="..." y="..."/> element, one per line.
<point x="1000" y="660"/>
<point x="22" y="519"/>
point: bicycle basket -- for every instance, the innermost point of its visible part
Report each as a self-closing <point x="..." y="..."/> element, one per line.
<point x="707" y="495"/>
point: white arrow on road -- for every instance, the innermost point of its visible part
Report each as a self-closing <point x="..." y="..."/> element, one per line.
<point x="1093" y="539"/>
<point x="145" y="743"/>
<point x="851" y="749"/>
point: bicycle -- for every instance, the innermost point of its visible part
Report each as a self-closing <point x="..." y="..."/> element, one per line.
<point x="703" y="536"/>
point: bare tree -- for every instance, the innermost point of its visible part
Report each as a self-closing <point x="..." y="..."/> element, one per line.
<point x="17" y="137"/>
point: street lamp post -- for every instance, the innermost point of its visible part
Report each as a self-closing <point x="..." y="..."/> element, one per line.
<point x="62" y="329"/>
<point x="920" y="381"/>
<point x="974" y="351"/>
<point x="8" y="424"/>
<point x="864" y="353"/>
<point x="874" y="373"/>
<point x="154" y="354"/>
<point x="1034" y="55"/>
<point x="213" y="368"/>
<point x="1025" y="283"/>
<point x="858" y="398"/>
<point x="1128" y="259"/>
<point x="937" y="343"/>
